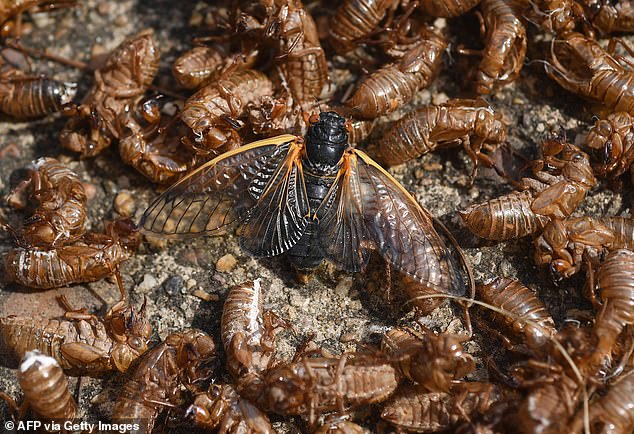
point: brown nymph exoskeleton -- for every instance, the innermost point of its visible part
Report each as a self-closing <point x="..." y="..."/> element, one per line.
<point x="201" y="65"/>
<point x="565" y="245"/>
<point x="471" y="123"/>
<point x="93" y="257"/>
<point x="569" y="244"/>
<point x="580" y="65"/>
<point x="413" y="408"/>
<point x="152" y="143"/>
<point x="609" y="16"/>
<point x="612" y="139"/>
<point x="504" y="218"/>
<point x="355" y="20"/>
<point x="198" y="66"/>
<point x="447" y="8"/>
<point x="512" y="296"/>
<point x="433" y="361"/>
<point x="616" y="284"/>
<point x="623" y="230"/>
<point x="560" y="183"/>
<point x="83" y="343"/>
<point x="31" y="96"/>
<point x="272" y="116"/>
<point x="61" y="199"/>
<point x="395" y="84"/>
<point x="301" y="58"/>
<point x="566" y="173"/>
<point x="212" y="112"/>
<point x="505" y="45"/>
<point x="549" y="407"/>
<point x="223" y="409"/>
<point x="248" y="334"/>
<point x="313" y="386"/>
<point x="614" y="412"/>
<point x="159" y="376"/>
<point x="558" y="16"/>
<point x="45" y="389"/>
<point x="127" y="74"/>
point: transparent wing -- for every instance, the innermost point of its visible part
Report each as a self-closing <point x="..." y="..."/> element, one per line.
<point x="280" y="216"/>
<point x="218" y="193"/>
<point x="344" y="237"/>
<point x="367" y="208"/>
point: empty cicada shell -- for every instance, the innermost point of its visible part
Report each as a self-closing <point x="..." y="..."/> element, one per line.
<point x="433" y="361"/>
<point x="93" y="257"/>
<point x="413" y="408"/>
<point x="84" y="344"/>
<point x="560" y="182"/>
<point x="313" y="386"/>
<point x="31" y="96"/>
<point x="45" y="389"/>
<point x="160" y="375"/>
<point x="61" y="199"/>
<point x="127" y="74"/>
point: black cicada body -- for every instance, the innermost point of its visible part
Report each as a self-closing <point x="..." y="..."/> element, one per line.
<point x="311" y="198"/>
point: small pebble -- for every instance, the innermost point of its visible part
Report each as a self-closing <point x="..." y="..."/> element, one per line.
<point x="110" y="187"/>
<point x="440" y="23"/>
<point x="120" y="21"/>
<point x="326" y="353"/>
<point x="124" y="204"/>
<point x="91" y="190"/>
<point x="103" y="8"/>
<point x="432" y="166"/>
<point x="219" y="278"/>
<point x="174" y="285"/>
<point x="204" y="295"/>
<point x="149" y="282"/>
<point x="97" y="50"/>
<point x="347" y="337"/>
<point x="41" y="19"/>
<point x="477" y="258"/>
<point x="439" y="98"/>
<point x="226" y="263"/>
<point x="343" y="286"/>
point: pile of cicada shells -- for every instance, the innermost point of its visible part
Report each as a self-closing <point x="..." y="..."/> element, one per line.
<point x="262" y="67"/>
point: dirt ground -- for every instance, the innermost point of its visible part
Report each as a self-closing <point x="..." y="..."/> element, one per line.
<point x="337" y="308"/>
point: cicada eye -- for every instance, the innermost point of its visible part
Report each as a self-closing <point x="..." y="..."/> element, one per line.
<point x="136" y="344"/>
<point x="313" y="119"/>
